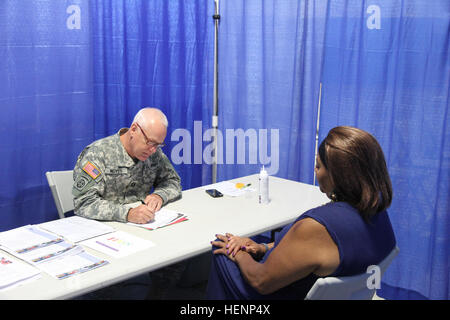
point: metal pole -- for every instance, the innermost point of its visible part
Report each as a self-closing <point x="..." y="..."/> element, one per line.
<point x="317" y="132"/>
<point x="215" y="117"/>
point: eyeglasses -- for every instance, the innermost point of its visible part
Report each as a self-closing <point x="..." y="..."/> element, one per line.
<point x="148" y="142"/>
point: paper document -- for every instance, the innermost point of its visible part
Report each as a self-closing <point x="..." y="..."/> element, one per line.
<point x="77" y="228"/>
<point x="14" y="273"/>
<point x="35" y="245"/>
<point x="71" y="265"/>
<point x="48" y="252"/>
<point x="26" y="238"/>
<point x="163" y="217"/>
<point x="118" y="244"/>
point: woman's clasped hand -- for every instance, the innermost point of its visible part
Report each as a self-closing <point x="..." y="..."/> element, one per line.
<point x="230" y="245"/>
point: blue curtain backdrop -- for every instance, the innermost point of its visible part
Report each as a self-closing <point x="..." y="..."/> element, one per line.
<point x="75" y="71"/>
<point x="386" y="69"/>
<point x="155" y="53"/>
<point x="270" y="66"/>
<point x="46" y="102"/>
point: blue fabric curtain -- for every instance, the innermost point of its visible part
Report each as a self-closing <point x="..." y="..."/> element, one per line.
<point x="270" y="61"/>
<point x="74" y="71"/>
<point x="155" y="54"/>
<point x="46" y="101"/>
<point x="386" y="69"/>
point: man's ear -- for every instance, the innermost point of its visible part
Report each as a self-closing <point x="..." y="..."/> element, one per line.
<point x="133" y="127"/>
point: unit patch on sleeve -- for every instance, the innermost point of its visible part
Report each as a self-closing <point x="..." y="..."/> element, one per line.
<point x="91" y="170"/>
<point x="81" y="183"/>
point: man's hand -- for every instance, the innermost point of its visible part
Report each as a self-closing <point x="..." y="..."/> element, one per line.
<point x="141" y="214"/>
<point x="153" y="202"/>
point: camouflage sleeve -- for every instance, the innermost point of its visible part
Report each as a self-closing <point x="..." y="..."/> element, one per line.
<point x="88" y="190"/>
<point x="167" y="183"/>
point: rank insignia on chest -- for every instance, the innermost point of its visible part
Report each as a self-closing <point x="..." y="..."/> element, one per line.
<point x="91" y="170"/>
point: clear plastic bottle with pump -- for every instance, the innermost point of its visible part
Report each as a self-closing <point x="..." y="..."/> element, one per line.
<point x="263" y="186"/>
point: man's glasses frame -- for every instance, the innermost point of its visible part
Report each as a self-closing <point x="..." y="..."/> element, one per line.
<point x="148" y="142"/>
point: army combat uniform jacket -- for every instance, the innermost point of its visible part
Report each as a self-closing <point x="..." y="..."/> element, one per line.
<point x="106" y="179"/>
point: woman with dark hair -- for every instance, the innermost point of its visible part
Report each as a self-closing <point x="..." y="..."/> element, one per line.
<point x="340" y="238"/>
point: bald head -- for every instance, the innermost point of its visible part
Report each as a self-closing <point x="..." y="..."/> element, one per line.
<point x="147" y="117"/>
<point x="146" y="133"/>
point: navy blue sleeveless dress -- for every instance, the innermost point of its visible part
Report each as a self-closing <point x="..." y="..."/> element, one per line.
<point x="360" y="245"/>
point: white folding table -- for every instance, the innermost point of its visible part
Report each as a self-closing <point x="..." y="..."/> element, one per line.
<point x="242" y="216"/>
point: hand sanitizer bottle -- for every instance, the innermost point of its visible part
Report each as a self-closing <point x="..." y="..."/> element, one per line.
<point x="263" y="186"/>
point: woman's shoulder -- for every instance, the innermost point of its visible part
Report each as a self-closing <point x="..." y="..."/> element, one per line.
<point x="330" y="208"/>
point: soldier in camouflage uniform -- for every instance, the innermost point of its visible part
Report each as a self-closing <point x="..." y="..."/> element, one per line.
<point x="114" y="173"/>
